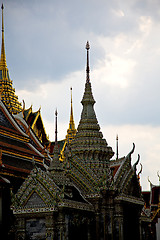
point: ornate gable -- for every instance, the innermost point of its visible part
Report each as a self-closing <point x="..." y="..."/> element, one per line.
<point x="132" y="186"/>
<point x="34" y="120"/>
<point x="38" y="191"/>
<point x="35" y="200"/>
<point x="4" y="120"/>
<point x="126" y="179"/>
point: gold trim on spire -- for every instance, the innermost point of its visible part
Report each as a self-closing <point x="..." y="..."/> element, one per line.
<point x="71" y="123"/>
<point x="71" y="132"/>
<point x="3" y="63"/>
<point x="8" y="95"/>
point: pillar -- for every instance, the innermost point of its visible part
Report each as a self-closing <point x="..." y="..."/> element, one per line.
<point x="20" y="226"/>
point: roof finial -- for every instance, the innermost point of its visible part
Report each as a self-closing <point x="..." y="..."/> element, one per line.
<point x="56" y="113"/>
<point x="117" y="146"/>
<point x="158" y="177"/>
<point x="23" y="107"/>
<point x="87" y="68"/>
<point x="3" y="55"/>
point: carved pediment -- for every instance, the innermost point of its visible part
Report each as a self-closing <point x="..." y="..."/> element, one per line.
<point x="132" y="187"/>
<point x="35" y="200"/>
<point x="37" y="189"/>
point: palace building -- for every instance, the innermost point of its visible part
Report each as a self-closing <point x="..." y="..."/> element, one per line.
<point x="22" y="138"/>
<point x="69" y="189"/>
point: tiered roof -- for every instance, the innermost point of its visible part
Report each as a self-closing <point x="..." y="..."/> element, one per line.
<point x="34" y="120"/>
<point x="16" y="147"/>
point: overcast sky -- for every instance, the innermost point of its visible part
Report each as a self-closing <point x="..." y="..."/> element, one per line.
<point x="45" y="50"/>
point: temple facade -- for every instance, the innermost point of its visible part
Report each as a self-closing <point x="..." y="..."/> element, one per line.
<point x="21" y="147"/>
<point x="85" y="196"/>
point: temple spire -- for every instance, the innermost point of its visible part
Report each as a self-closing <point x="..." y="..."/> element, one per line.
<point x="117" y="147"/>
<point x="55" y="162"/>
<point x="71" y="116"/>
<point x="71" y="123"/>
<point x="87" y="67"/>
<point x="3" y="63"/>
<point x="89" y="138"/>
<point x="8" y="95"/>
<point x="71" y="131"/>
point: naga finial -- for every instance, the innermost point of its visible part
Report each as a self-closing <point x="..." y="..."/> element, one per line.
<point x="130" y="153"/>
<point x="23" y="107"/>
<point x="132" y="149"/>
<point x="158" y="177"/>
<point x="140" y="171"/>
<point x="136" y="163"/>
<point x="151" y="184"/>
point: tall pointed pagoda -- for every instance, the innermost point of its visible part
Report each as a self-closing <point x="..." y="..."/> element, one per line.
<point x="7" y="91"/>
<point x="71" y="131"/>
<point x="89" y="139"/>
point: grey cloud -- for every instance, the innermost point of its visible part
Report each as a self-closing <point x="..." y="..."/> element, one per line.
<point x="46" y="40"/>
